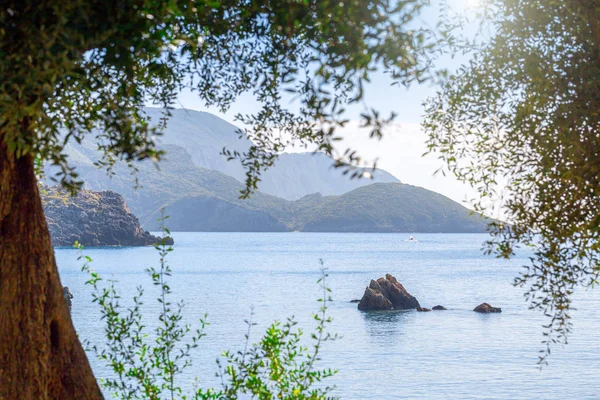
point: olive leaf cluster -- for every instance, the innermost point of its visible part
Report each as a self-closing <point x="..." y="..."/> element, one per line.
<point x="521" y="124"/>
<point x="72" y="68"/>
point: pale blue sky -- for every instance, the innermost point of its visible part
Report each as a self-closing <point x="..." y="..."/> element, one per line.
<point x="400" y="151"/>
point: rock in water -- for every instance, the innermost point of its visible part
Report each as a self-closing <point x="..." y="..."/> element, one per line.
<point x="93" y="219"/>
<point x="374" y="300"/>
<point x="387" y="294"/>
<point x="439" y="308"/>
<point x="423" y="309"/>
<point x="485" y="308"/>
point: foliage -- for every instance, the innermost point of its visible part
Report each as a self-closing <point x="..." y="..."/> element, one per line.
<point x="520" y="123"/>
<point x="143" y="368"/>
<point x="56" y="195"/>
<point x="279" y="366"/>
<point x="72" y="68"/>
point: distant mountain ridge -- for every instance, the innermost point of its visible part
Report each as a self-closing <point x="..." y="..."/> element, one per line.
<point x="202" y="199"/>
<point x="198" y="199"/>
<point x="294" y="175"/>
<point x="385" y="207"/>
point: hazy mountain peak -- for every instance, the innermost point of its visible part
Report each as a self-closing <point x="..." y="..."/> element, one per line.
<point x="203" y="136"/>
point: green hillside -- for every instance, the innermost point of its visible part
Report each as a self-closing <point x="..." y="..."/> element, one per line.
<point x="385" y="207"/>
<point x="380" y="207"/>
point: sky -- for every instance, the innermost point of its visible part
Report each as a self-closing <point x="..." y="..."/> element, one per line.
<point x="401" y="149"/>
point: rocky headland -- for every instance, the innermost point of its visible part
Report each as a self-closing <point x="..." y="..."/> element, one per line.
<point x="92" y="219"/>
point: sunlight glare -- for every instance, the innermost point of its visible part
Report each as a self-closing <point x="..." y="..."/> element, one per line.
<point x="468" y="4"/>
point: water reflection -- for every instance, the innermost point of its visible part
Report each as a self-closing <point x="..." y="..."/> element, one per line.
<point x="385" y="327"/>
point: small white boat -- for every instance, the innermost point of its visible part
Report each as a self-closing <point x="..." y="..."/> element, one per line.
<point x="412" y="239"/>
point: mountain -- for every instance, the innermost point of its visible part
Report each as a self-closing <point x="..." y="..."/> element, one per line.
<point x="199" y="199"/>
<point x="299" y="174"/>
<point x="174" y="179"/>
<point x="384" y="207"/>
<point x="203" y="199"/>
<point x="380" y="207"/>
<point x="204" y="136"/>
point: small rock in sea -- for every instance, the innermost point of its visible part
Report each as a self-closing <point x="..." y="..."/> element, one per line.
<point x="439" y="308"/>
<point x="355" y="301"/>
<point x="423" y="309"/>
<point x="387" y="294"/>
<point x="485" y="308"/>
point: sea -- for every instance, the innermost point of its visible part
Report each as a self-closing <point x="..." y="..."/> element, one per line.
<point x="233" y="278"/>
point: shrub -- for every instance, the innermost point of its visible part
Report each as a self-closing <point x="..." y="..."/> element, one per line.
<point x="279" y="366"/>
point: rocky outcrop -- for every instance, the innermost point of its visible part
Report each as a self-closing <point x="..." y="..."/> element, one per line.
<point x="423" y="309"/>
<point x="92" y="219"/>
<point x="439" y="308"/>
<point x="374" y="300"/>
<point x="485" y="308"/>
<point x="387" y="294"/>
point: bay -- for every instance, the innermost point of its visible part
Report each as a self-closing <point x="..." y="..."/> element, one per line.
<point x="454" y="354"/>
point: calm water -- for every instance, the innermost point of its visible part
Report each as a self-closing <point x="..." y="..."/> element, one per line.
<point x="456" y="354"/>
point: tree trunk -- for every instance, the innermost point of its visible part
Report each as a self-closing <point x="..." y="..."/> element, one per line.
<point x="40" y="355"/>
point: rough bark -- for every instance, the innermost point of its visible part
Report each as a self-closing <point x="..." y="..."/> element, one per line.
<point x="40" y="355"/>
